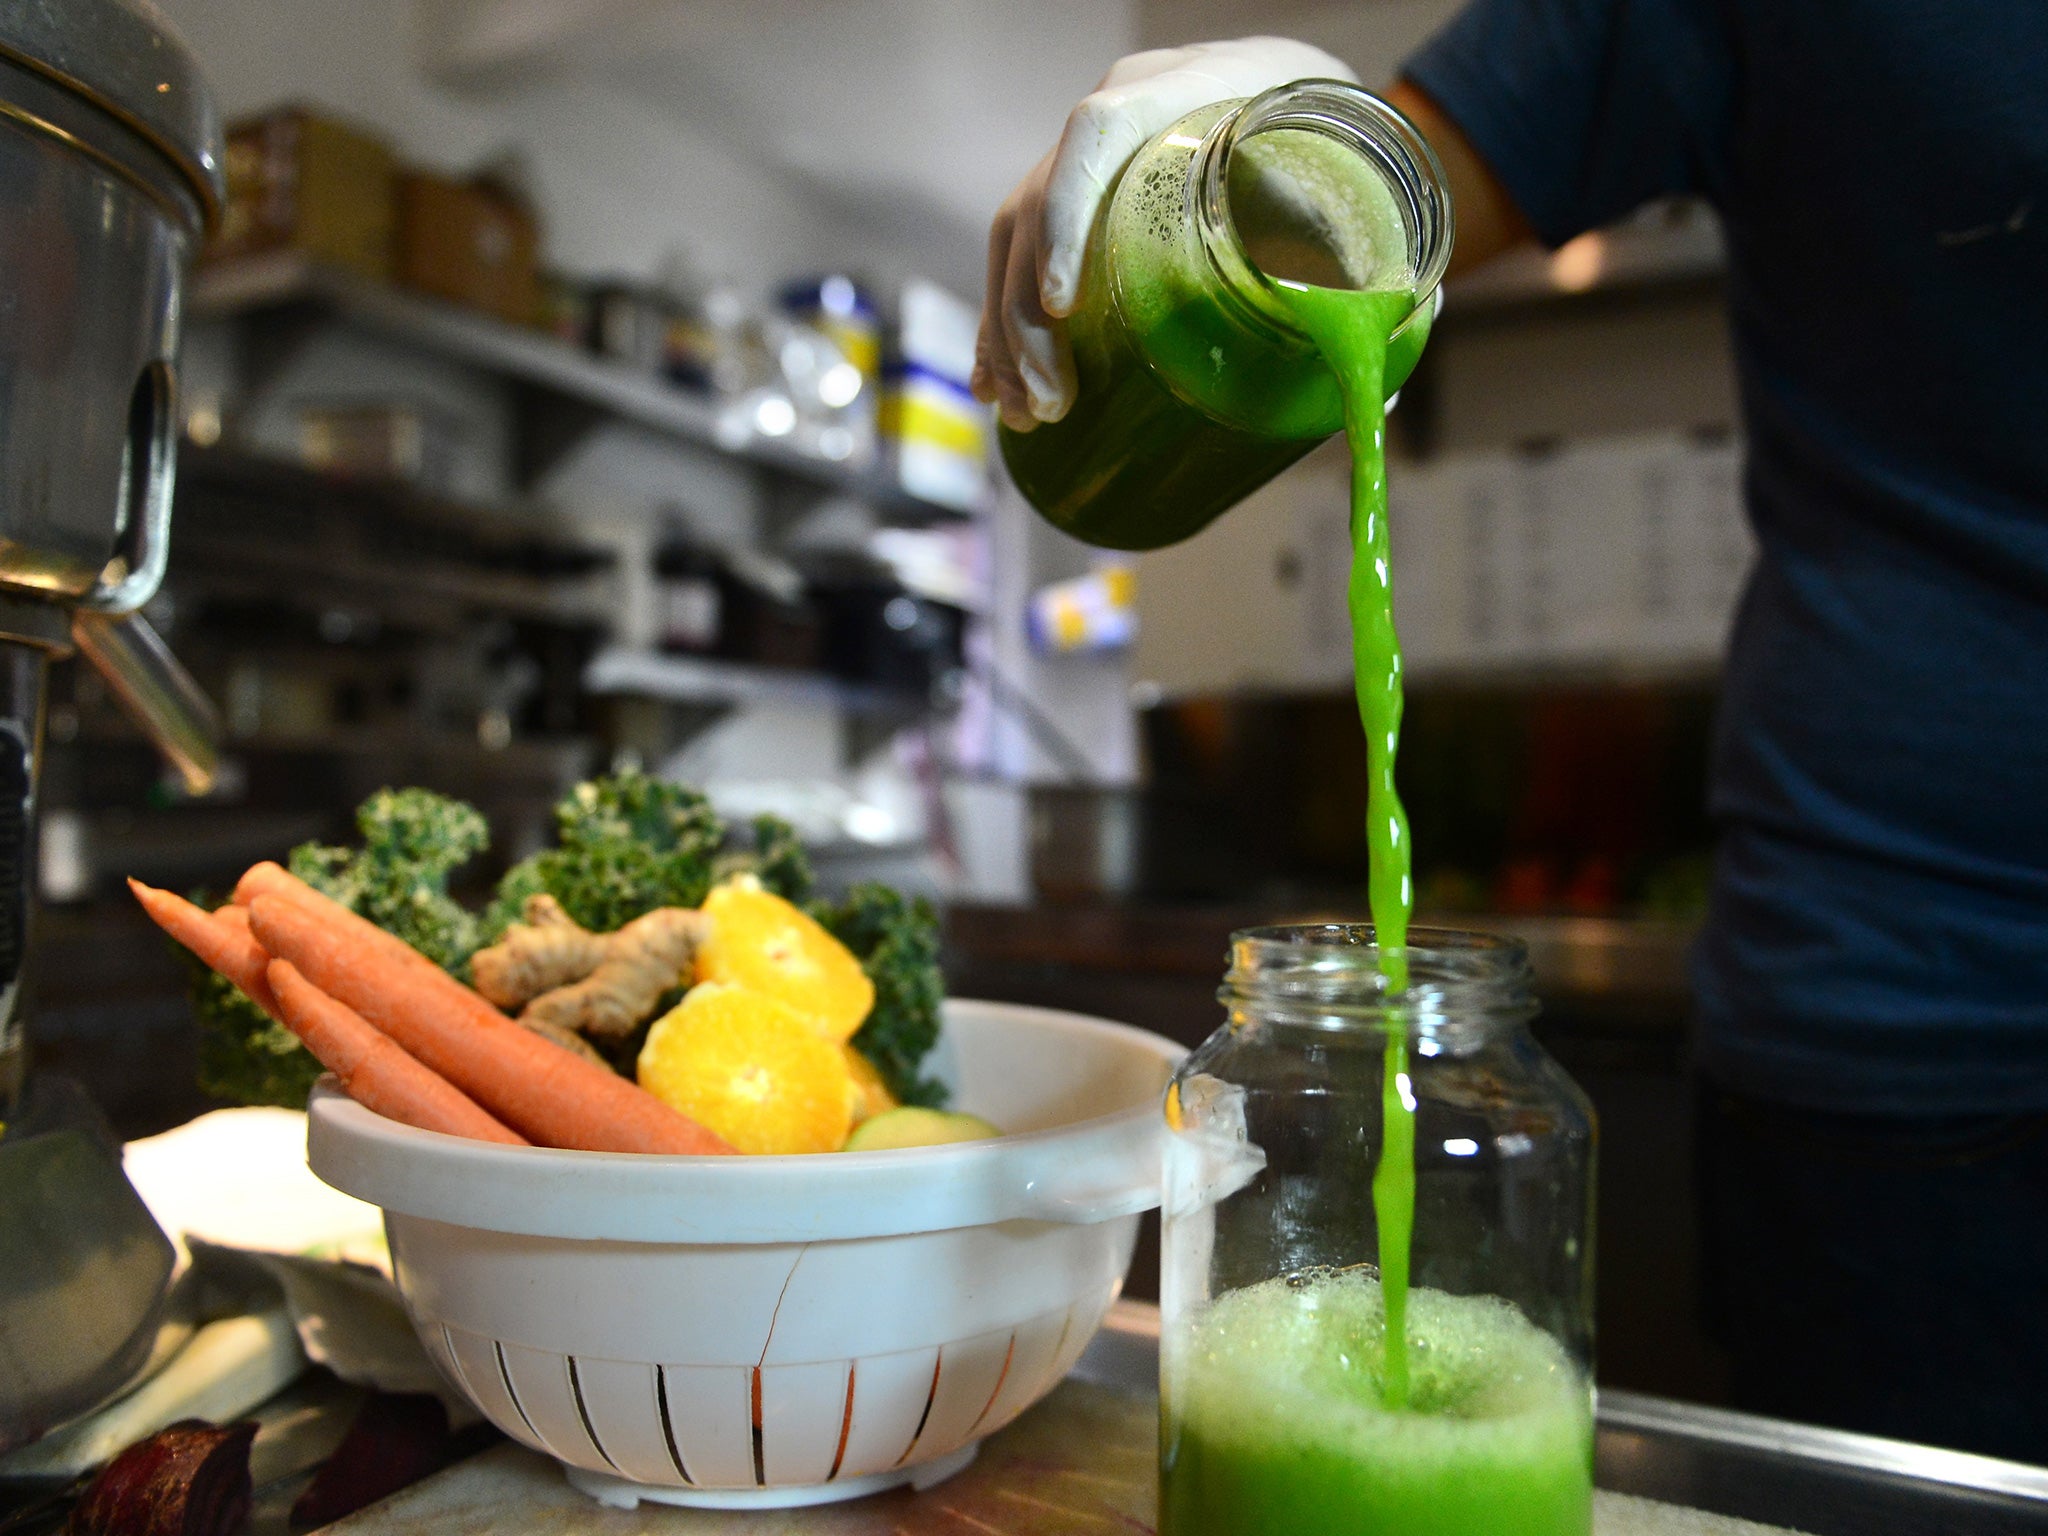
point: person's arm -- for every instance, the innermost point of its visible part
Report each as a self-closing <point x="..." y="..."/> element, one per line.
<point x="1488" y="220"/>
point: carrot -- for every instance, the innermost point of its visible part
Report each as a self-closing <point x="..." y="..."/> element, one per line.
<point x="222" y="941"/>
<point x="376" y="1073"/>
<point x="268" y="879"/>
<point x="549" y="1095"/>
<point x="237" y="918"/>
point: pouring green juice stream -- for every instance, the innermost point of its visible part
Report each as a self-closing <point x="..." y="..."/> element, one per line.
<point x="1323" y="250"/>
<point x="1237" y="309"/>
<point x="1352" y="330"/>
<point x="1337" y="1398"/>
<point x="1253" y="287"/>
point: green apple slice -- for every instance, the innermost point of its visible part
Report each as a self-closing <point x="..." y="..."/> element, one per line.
<point x="914" y="1127"/>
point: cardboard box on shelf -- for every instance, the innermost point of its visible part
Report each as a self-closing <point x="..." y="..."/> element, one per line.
<point x="301" y="181"/>
<point x="469" y="242"/>
<point x="392" y="440"/>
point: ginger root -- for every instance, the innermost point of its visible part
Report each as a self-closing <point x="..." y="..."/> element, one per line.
<point x="550" y="949"/>
<point x="598" y="985"/>
<point x="567" y="1039"/>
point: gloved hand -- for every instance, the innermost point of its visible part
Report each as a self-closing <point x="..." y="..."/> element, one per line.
<point x="1022" y="361"/>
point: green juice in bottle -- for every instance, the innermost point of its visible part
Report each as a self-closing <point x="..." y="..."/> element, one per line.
<point x="1196" y="384"/>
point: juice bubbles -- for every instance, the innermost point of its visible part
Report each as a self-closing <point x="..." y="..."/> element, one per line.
<point x="1280" y="1427"/>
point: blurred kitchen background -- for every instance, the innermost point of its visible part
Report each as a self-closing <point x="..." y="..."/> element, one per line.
<point x="578" y="380"/>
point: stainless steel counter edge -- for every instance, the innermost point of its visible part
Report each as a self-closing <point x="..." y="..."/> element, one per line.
<point x="1806" y="1442"/>
<point x="1125" y="1354"/>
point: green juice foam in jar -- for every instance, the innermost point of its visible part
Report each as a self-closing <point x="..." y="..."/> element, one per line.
<point x="1375" y="1276"/>
<point x="1286" y="1427"/>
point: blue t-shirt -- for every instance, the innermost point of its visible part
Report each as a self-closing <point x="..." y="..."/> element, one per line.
<point x="1878" y="937"/>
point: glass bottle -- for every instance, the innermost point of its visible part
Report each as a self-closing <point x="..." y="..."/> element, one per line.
<point x="1195" y="387"/>
<point x="1283" y="1406"/>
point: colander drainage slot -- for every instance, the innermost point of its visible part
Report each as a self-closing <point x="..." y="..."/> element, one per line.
<point x="668" y="1426"/>
<point x="455" y="1364"/>
<point x="924" y="1418"/>
<point x="845" y="1424"/>
<point x="583" y="1413"/>
<point x="1001" y="1376"/>
<point x="505" y="1375"/>
<point x="760" y="1450"/>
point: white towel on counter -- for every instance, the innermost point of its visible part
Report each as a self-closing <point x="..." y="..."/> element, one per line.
<point x="275" y="1270"/>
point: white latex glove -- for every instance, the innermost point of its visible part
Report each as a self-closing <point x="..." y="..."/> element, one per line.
<point x="1022" y="361"/>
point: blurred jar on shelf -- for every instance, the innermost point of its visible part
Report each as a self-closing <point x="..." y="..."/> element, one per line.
<point x="935" y="434"/>
<point x="689" y="596"/>
<point x="843" y="390"/>
<point x="475" y="243"/>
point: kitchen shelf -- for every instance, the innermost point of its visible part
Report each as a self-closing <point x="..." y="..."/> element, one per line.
<point x="334" y="543"/>
<point x="624" y="672"/>
<point x="288" y="282"/>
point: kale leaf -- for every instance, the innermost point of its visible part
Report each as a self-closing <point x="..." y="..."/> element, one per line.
<point x="625" y="845"/>
<point x="245" y="1056"/>
<point x="897" y="943"/>
<point x="413" y="840"/>
<point x="777" y="860"/>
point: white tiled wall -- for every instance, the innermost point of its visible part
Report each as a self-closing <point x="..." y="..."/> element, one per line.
<point x="1613" y="553"/>
<point x="1626" y="551"/>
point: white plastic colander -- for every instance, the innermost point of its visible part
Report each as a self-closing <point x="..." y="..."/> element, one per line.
<point x="738" y="1331"/>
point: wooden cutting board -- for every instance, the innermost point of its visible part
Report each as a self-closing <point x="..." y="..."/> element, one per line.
<point x="1082" y="1463"/>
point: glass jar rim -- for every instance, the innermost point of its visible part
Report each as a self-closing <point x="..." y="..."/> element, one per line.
<point x="1329" y="974"/>
<point x="1374" y="128"/>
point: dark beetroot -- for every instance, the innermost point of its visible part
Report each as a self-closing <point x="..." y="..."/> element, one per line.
<point x="191" y="1479"/>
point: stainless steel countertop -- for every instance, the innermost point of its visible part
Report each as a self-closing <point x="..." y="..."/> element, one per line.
<point x="1083" y="1461"/>
<point x="1823" y="1482"/>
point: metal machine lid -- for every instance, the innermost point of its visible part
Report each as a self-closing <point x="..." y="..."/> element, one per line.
<point x="123" y="57"/>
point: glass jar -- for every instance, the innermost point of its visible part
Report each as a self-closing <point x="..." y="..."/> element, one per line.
<point x="1336" y="1145"/>
<point x="1195" y="386"/>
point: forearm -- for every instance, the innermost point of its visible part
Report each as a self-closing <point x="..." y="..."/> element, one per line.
<point x="1488" y="220"/>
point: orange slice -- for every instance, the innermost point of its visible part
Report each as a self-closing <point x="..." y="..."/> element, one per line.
<point x="871" y="1095"/>
<point x="750" y="1068"/>
<point x="757" y="940"/>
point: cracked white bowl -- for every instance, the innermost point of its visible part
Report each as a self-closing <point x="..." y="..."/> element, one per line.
<point x="734" y="1331"/>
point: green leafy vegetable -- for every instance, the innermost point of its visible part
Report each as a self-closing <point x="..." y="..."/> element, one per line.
<point x="779" y="861"/>
<point x="245" y="1056"/>
<point x="413" y="840"/>
<point x="897" y="942"/>
<point x="626" y="845"/>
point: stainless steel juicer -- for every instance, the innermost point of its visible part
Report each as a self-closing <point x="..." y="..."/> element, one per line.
<point x="110" y="172"/>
